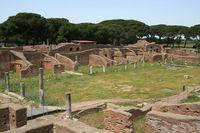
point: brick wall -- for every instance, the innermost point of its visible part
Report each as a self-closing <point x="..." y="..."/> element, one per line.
<point x="118" y="121"/>
<point x="17" y="116"/>
<point x="160" y="122"/>
<point x="30" y="70"/>
<point x="66" y="62"/>
<point x="96" y="60"/>
<point x="186" y="58"/>
<point x="12" y="116"/>
<point x="83" y="57"/>
<point x="192" y="109"/>
<point x="51" y="63"/>
<point x="4" y="118"/>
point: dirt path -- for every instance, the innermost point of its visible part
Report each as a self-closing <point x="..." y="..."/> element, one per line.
<point x="80" y="105"/>
<point x="183" y="95"/>
<point x="175" y="98"/>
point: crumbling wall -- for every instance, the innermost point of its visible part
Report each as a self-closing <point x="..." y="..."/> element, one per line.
<point x="119" y="58"/>
<point x="118" y="121"/>
<point x="192" y="109"/>
<point x="156" y="58"/>
<point x="51" y="63"/>
<point x="30" y="70"/>
<point x="194" y="59"/>
<point x="96" y="60"/>
<point x="83" y="56"/>
<point x="159" y="122"/>
<point x="4" y="61"/>
<point x="66" y="62"/>
<point x="34" y="58"/>
<point x="106" y="52"/>
<point x="17" y="116"/>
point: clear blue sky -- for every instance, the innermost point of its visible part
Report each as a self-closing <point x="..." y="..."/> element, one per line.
<point x="183" y="12"/>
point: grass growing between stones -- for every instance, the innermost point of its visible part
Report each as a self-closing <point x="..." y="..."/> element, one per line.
<point x="139" y="124"/>
<point x="151" y="81"/>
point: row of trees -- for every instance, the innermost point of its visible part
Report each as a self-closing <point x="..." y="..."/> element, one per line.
<point x="30" y="28"/>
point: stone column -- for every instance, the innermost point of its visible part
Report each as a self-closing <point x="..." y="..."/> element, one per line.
<point x="22" y="89"/>
<point x="7" y="81"/>
<point x="41" y="86"/>
<point x="68" y="105"/>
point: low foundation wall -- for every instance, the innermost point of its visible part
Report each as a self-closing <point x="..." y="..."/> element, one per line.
<point x="160" y="122"/>
<point x="192" y="59"/>
<point x="192" y="109"/>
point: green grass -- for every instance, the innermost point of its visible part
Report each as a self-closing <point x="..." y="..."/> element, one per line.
<point x="93" y="119"/>
<point x="151" y="81"/>
<point x="139" y="124"/>
<point x="193" y="97"/>
<point x="125" y="104"/>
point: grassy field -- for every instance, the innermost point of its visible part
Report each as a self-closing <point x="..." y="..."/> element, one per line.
<point x="93" y="119"/>
<point x="149" y="82"/>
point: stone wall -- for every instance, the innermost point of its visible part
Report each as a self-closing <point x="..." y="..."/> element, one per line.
<point x="66" y="62"/>
<point x="160" y="122"/>
<point x="96" y="60"/>
<point x="118" y="121"/>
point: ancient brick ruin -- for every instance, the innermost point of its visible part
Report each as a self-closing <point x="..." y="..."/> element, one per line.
<point x="67" y="56"/>
<point x="12" y="116"/>
<point x="179" y="118"/>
